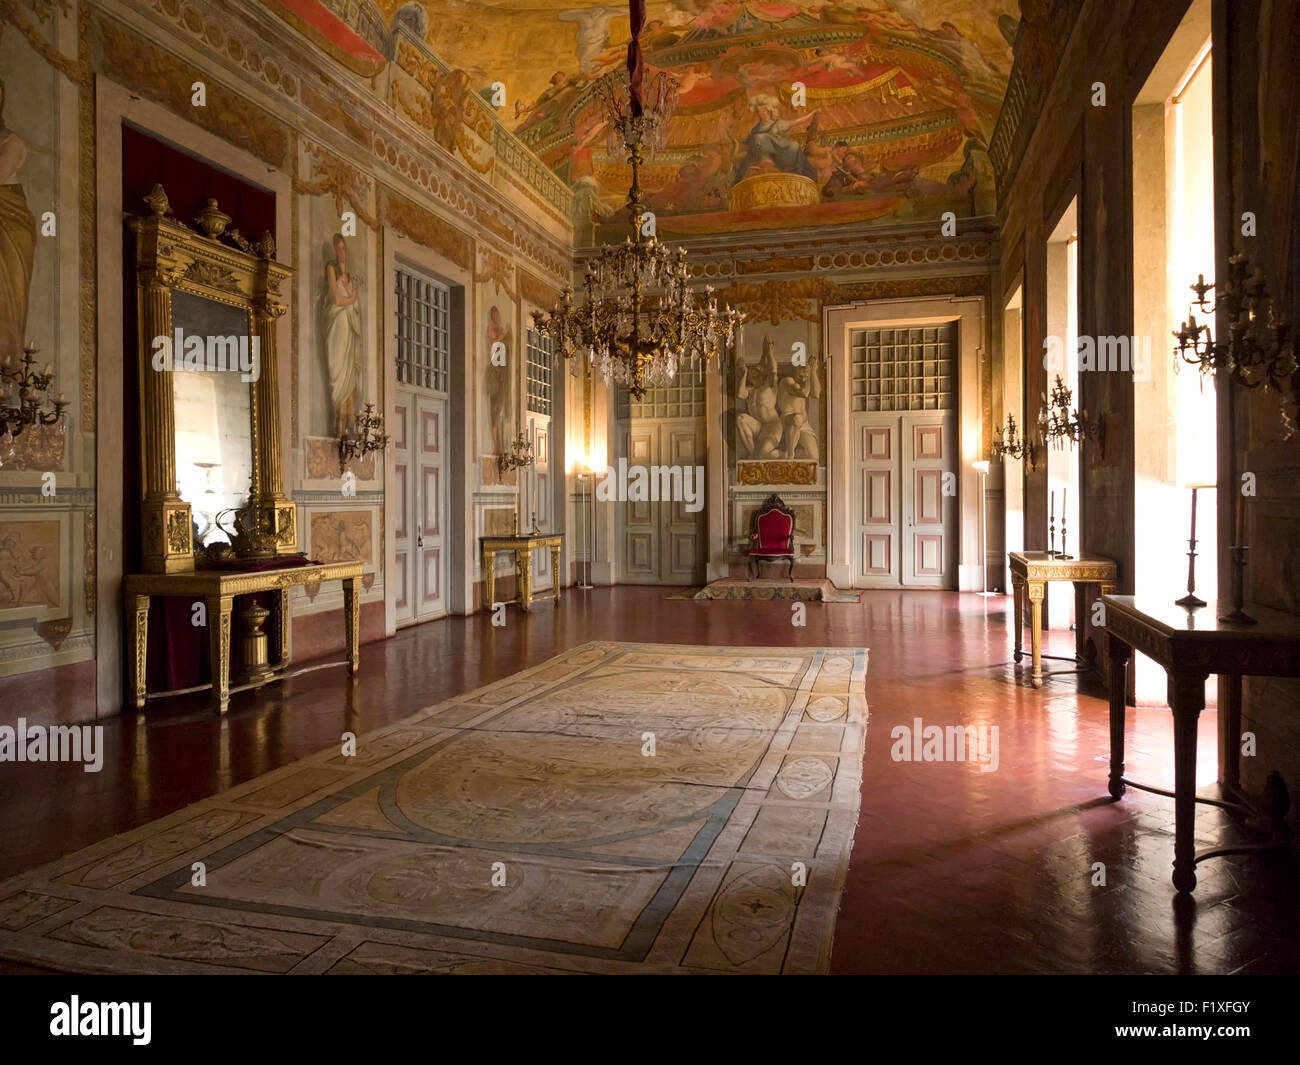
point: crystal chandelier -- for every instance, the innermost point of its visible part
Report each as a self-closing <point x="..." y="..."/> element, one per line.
<point x="640" y="322"/>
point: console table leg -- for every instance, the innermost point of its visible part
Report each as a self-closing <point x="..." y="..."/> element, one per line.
<point x="219" y="610"/>
<point x="1118" y="653"/>
<point x="1187" y="700"/>
<point x="283" y="630"/>
<point x="137" y="617"/>
<point x="489" y="579"/>
<point x="1018" y="607"/>
<point x="1035" y="590"/>
<point x="1230" y="747"/>
<point x="352" y="622"/>
<point x="524" y="558"/>
<point x="555" y="574"/>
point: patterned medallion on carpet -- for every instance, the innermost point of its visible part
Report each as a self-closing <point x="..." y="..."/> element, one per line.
<point x="618" y="808"/>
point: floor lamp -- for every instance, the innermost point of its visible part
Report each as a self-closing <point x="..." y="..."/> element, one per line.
<point x="591" y="530"/>
<point x="982" y="467"/>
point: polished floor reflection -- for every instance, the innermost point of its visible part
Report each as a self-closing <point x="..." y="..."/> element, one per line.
<point x="953" y="869"/>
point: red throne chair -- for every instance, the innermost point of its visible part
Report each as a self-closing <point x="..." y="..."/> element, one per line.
<point x="771" y="535"/>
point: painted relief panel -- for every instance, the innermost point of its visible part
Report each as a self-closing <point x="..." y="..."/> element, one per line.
<point x="777" y="386"/>
<point x="32" y="573"/>
<point x="342" y="536"/>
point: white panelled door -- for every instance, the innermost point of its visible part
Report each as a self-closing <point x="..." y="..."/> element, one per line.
<point x="420" y="446"/>
<point x="903" y="439"/>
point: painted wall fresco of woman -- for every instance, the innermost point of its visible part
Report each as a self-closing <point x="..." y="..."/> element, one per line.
<point x="344" y="347"/>
<point x="17" y="241"/>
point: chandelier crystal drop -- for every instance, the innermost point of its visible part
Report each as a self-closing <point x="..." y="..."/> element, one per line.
<point x="640" y="323"/>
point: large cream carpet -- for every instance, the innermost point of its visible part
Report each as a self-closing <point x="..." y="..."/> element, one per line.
<point x="618" y="808"/>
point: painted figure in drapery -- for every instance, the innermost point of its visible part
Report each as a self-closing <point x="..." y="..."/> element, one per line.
<point x="498" y="381"/>
<point x="769" y="146"/>
<point x="17" y="242"/>
<point x="344" y="349"/>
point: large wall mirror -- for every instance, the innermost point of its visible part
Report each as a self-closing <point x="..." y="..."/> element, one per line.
<point x="207" y="306"/>
<point x="214" y="414"/>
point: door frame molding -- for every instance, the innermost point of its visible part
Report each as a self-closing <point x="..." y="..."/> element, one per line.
<point x="456" y="468"/>
<point x="969" y="314"/>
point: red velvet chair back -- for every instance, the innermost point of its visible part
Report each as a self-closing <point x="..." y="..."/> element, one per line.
<point x="775" y="532"/>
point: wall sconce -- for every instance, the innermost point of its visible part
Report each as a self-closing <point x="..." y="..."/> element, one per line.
<point x="1058" y="423"/>
<point x="1007" y="441"/>
<point x="1260" y="349"/>
<point x="24" y="399"/>
<point x="519" y="456"/>
<point x="365" y="435"/>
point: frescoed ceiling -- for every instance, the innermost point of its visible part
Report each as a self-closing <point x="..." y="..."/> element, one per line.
<point x="901" y="99"/>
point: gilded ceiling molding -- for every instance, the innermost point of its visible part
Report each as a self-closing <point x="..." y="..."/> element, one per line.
<point x="425" y="227"/>
<point x="366" y="66"/>
<point x="341" y="180"/>
<point x="141" y="65"/>
<point x="786" y="300"/>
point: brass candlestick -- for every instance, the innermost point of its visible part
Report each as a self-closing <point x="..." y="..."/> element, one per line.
<point x="1062" y="553"/>
<point x="1190" y="600"/>
<point x="1239" y="615"/>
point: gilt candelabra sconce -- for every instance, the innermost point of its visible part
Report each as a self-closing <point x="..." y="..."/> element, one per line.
<point x="1007" y="441"/>
<point x="1058" y="423"/>
<point x="366" y="434"/>
<point x="519" y="455"/>
<point x="1259" y="349"/>
<point x="25" y="401"/>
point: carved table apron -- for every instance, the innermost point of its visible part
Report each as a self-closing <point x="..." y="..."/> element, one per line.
<point x="218" y="588"/>
<point x="523" y="547"/>
<point x="1030" y="572"/>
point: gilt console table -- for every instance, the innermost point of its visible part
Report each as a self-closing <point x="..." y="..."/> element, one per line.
<point x="218" y="588"/>
<point x="1190" y="645"/>
<point x="523" y="547"/>
<point x="1030" y="573"/>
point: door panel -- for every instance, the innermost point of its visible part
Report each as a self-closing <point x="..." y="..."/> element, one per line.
<point x="927" y="538"/>
<point x="539" y="502"/>
<point x="662" y="540"/>
<point x="902" y="518"/>
<point x="875" y="498"/>
<point x="402" y="495"/>
<point x="420" y="490"/>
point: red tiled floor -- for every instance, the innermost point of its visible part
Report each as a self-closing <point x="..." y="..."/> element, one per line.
<point x="953" y="870"/>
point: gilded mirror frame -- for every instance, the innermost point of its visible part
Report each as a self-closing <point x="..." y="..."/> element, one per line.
<point x="219" y="265"/>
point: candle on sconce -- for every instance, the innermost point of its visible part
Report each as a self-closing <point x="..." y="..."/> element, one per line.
<point x="1052" y="515"/>
<point x="1241" y="520"/>
<point x="1193" y="535"/>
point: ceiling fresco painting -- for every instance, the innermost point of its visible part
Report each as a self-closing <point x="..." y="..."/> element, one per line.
<point x="899" y="99"/>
